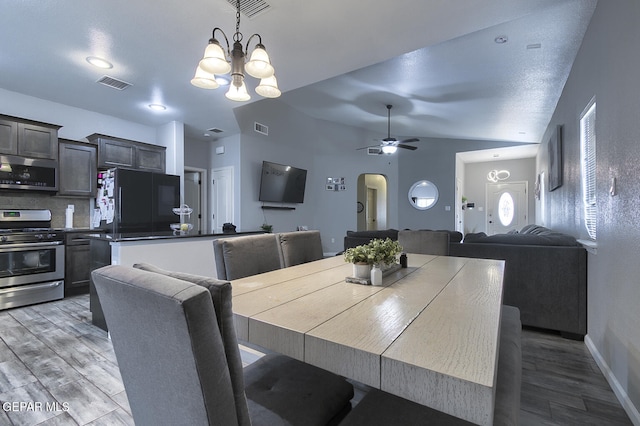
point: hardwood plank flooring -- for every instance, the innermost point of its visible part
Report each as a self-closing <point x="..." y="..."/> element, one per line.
<point x="53" y="357"/>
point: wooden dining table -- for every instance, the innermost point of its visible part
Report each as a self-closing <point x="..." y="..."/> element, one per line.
<point x="429" y="333"/>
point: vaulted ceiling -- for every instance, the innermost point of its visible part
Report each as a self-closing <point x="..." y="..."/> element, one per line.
<point x="437" y="62"/>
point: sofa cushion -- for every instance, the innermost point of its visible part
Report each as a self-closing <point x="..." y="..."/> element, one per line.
<point x="382" y="234"/>
<point x="546" y="239"/>
<point x="221" y="296"/>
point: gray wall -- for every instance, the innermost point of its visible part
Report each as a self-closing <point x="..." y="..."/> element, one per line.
<point x="328" y="149"/>
<point x="607" y="67"/>
<point x="434" y="160"/>
<point x="475" y="185"/>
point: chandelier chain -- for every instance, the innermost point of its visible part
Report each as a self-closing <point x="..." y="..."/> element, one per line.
<point x="238" y="35"/>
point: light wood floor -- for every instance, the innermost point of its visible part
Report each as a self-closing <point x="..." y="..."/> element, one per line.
<point x="50" y="353"/>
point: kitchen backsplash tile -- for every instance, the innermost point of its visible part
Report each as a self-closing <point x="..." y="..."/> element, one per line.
<point x="57" y="205"/>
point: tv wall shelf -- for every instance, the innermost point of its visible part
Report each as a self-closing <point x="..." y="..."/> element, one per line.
<point x="278" y="208"/>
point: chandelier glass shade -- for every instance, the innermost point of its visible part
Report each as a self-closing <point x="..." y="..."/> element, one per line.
<point x="216" y="61"/>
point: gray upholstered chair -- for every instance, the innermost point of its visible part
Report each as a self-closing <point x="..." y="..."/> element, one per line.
<point x="300" y="247"/>
<point x="176" y="347"/>
<point x="424" y="242"/>
<point x="379" y="408"/>
<point x="240" y="257"/>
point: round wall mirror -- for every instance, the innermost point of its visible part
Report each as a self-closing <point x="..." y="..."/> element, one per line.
<point x="423" y="195"/>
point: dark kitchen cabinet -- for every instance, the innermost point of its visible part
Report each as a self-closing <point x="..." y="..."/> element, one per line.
<point x="8" y="136"/>
<point x="124" y="153"/>
<point x="77" y="268"/>
<point x="78" y="169"/>
<point x="28" y="138"/>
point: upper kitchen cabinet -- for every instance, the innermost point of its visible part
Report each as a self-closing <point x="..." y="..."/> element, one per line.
<point x="28" y="138"/>
<point x="124" y="153"/>
<point x="78" y="169"/>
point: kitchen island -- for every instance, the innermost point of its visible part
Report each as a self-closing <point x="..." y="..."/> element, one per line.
<point x="191" y="253"/>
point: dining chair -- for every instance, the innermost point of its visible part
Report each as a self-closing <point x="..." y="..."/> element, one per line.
<point x="300" y="247"/>
<point x="424" y="242"/>
<point x="378" y="408"/>
<point x="177" y="351"/>
<point x="240" y="257"/>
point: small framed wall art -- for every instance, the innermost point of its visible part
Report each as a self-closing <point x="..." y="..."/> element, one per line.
<point x="555" y="159"/>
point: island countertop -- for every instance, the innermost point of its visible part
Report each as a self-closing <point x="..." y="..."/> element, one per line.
<point x="146" y="236"/>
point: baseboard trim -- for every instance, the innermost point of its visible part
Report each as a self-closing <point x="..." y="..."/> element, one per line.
<point x="618" y="390"/>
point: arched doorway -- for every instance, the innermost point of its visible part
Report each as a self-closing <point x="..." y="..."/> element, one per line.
<point x="372" y="202"/>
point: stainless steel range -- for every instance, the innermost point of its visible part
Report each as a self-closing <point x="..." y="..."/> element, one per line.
<point x="31" y="258"/>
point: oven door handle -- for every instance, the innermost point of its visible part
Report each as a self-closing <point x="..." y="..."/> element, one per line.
<point x="32" y="287"/>
<point x="32" y="245"/>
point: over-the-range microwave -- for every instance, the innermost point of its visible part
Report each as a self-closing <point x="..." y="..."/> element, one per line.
<point x="28" y="173"/>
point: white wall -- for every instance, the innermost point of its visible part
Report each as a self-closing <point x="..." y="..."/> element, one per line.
<point x="606" y="67"/>
<point x="76" y="123"/>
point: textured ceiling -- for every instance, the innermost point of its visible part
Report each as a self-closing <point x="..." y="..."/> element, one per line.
<point x="436" y="61"/>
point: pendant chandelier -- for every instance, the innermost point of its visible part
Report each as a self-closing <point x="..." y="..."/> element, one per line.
<point x="215" y="62"/>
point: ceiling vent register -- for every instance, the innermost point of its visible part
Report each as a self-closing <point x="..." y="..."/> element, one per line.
<point x="114" y="83"/>
<point x="251" y="8"/>
<point x="261" y="128"/>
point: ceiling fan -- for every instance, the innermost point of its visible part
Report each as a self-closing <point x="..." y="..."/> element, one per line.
<point x="389" y="145"/>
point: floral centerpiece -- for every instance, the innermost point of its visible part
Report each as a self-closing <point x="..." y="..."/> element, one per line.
<point x="378" y="252"/>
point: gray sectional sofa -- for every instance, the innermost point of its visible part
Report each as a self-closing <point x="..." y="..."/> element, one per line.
<point x="545" y="275"/>
<point x="356" y="238"/>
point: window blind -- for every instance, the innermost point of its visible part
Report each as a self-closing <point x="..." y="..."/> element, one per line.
<point x="588" y="163"/>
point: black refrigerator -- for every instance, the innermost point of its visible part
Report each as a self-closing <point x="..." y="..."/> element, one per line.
<point x="132" y="201"/>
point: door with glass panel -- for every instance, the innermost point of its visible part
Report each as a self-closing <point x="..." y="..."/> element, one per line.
<point x="507" y="207"/>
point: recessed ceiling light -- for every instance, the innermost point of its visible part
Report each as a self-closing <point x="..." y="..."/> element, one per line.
<point x="501" y="39"/>
<point x="157" y="107"/>
<point x="99" y="62"/>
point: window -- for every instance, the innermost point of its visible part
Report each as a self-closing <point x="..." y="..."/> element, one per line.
<point x="588" y="166"/>
<point x="506" y="209"/>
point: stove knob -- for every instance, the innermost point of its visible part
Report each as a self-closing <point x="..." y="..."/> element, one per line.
<point x="3" y="238"/>
<point x="39" y="236"/>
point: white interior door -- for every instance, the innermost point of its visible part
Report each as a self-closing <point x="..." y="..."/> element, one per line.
<point x="192" y="197"/>
<point x="458" y="207"/>
<point x="223" y="203"/>
<point x="372" y="209"/>
<point x="507" y="207"/>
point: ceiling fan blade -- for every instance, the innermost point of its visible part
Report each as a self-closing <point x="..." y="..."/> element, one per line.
<point x="411" y="147"/>
<point x="365" y="147"/>
<point x="410" y="140"/>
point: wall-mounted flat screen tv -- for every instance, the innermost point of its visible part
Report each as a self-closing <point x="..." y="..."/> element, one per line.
<point x="281" y="183"/>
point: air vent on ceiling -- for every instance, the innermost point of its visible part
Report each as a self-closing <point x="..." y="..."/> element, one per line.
<point x="251" y="8"/>
<point x="215" y="130"/>
<point x="374" y="150"/>
<point x="261" y="128"/>
<point x="114" y="83"/>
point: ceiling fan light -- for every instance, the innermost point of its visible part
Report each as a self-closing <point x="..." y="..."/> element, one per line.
<point x="238" y="93"/>
<point x="214" y="60"/>
<point x="268" y="87"/>
<point x="389" y="149"/>
<point x="259" y="65"/>
<point x="204" y="79"/>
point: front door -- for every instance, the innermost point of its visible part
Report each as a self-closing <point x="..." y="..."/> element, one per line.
<point x="507" y="207"/>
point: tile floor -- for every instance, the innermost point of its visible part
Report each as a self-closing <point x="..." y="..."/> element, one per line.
<point x="51" y="356"/>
